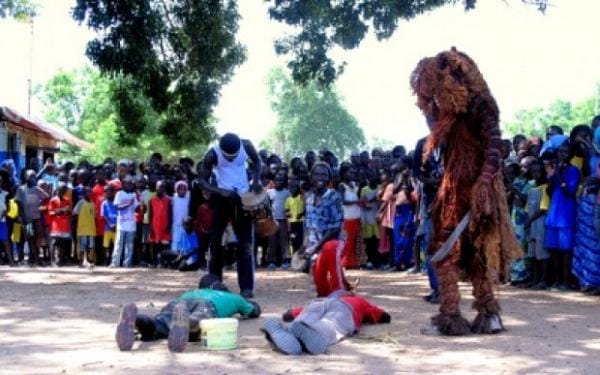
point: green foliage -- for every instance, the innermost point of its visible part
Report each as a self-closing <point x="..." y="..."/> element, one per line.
<point x="21" y="10"/>
<point x="177" y="54"/>
<point x="534" y="121"/>
<point x="62" y="96"/>
<point x="309" y="118"/>
<point x="84" y="103"/>
<point x="323" y="25"/>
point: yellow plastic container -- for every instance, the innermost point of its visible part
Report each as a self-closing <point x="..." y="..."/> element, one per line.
<point x="219" y="333"/>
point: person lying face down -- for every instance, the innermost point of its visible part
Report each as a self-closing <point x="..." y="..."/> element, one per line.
<point x="179" y="320"/>
<point x="321" y="323"/>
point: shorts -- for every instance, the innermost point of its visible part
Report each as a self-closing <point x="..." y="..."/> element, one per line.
<point x="86" y="243"/>
<point x="15" y="236"/>
<point x="108" y="238"/>
<point x="3" y="231"/>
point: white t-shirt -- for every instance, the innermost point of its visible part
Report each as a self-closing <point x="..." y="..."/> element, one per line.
<point x="351" y="211"/>
<point x="126" y="217"/>
<point x="181" y="208"/>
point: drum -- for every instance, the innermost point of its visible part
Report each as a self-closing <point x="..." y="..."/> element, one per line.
<point x="256" y="203"/>
<point x="259" y="206"/>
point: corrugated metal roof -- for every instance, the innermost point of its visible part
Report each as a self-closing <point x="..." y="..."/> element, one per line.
<point x="52" y="131"/>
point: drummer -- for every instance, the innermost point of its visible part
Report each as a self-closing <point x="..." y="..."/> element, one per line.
<point x="228" y="161"/>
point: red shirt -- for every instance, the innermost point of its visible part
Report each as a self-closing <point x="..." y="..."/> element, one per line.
<point x="61" y="221"/>
<point x="362" y="310"/>
<point x="203" y="222"/>
<point x="160" y="228"/>
<point x="97" y="198"/>
<point x="47" y="219"/>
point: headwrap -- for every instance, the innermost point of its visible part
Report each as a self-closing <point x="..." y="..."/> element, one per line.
<point x="230" y="145"/>
<point x="554" y="143"/>
<point x="181" y="183"/>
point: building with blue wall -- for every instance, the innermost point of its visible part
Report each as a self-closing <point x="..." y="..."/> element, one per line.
<point x="29" y="142"/>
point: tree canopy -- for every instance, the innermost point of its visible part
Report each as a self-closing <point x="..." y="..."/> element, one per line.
<point x="178" y="54"/>
<point x="310" y="117"/>
<point x="323" y="25"/>
<point x="83" y="102"/>
<point x="20" y="10"/>
<point x="535" y="121"/>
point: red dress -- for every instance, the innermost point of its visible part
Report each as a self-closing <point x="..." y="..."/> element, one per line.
<point x="97" y="198"/>
<point x="160" y="228"/>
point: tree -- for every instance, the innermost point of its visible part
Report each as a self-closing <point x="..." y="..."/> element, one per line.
<point x="63" y="96"/>
<point x="535" y="121"/>
<point x="83" y="103"/>
<point x="309" y="118"/>
<point x="178" y="54"/>
<point x="21" y="10"/>
<point x="323" y="25"/>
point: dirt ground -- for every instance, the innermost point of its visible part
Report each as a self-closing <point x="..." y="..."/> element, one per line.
<point x="63" y="321"/>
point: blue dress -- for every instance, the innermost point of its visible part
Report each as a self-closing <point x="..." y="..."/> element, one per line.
<point x="560" y="220"/>
<point x="404" y="234"/>
<point x="586" y="259"/>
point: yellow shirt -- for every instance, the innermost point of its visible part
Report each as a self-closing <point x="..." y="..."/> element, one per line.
<point x="577" y="161"/>
<point x="295" y="208"/>
<point x="86" y="223"/>
<point x="545" y="201"/>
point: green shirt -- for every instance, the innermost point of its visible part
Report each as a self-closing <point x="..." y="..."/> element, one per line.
<point x="226" y="304"/>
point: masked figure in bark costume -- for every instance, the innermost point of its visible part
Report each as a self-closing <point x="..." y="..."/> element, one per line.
<point x="463" y="116"/>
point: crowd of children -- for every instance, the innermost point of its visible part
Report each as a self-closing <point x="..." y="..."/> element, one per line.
<point x="156" y="214"/>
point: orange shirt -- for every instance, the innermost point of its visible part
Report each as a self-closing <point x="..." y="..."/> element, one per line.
<point x="61" y="221"/>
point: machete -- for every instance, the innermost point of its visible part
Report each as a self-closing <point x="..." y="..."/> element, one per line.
<point x="447" y="246"/>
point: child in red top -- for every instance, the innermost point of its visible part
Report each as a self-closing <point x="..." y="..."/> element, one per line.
<point x="203" y="226"/>
<point x="46" y="221"/>
<point x="59" y="209"/>
<point x="160" y="222"/>
<point x="97" y="199"/>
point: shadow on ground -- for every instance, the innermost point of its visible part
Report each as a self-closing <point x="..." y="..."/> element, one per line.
<point x="56" y="320"/>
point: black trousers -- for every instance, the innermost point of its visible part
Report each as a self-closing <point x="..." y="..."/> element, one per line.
<point x="296" y="235"/>
<point x="226" y="210"/>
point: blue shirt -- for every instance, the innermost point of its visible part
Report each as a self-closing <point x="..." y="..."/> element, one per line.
<point x="187" y="244"/>
<point x="109" y="213"/>
<point x="563" y="208"/>
<point x="324" y="214"/>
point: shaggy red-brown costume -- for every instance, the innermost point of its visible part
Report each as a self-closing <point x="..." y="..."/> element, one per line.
<point x="453" y="95"/>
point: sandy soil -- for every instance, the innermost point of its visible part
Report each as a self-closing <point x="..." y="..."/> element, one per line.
<point x="63" y="321"/>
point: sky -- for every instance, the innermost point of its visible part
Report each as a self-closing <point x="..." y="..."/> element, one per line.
<point x="528" y="59"/>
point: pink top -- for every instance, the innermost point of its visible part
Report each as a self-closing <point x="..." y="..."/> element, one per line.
<point x="387" y="199"/>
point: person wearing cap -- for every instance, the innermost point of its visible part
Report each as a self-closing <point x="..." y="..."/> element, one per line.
<point x="179" y="320"/>
<point x="228" y="161"/>
<point x="321" y="323"/>
<point x="126" y="202"/>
